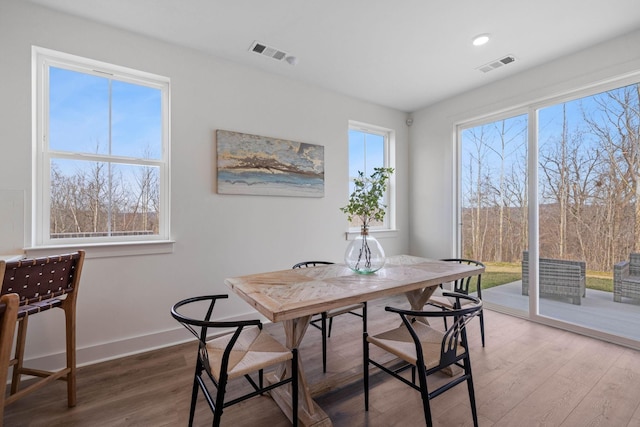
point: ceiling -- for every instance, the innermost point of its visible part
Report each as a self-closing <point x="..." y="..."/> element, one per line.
<point x="403" y="54"/>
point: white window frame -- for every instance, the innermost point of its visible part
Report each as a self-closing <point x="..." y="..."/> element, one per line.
<point x="389" y="135"/>
<point x="42" y="59"/>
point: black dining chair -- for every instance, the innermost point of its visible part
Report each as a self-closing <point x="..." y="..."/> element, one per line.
<point x="427" y="350"/>
<point x="320" y="321"/>
<point x="241" y="349"/>
<point x="461" y="286"/>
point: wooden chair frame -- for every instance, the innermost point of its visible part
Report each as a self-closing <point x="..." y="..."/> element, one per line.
<point x="42" y="284"/>
<point x="8" y="319"/>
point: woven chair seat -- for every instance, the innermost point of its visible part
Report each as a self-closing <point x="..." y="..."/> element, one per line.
<point x="254" y="350"/>
<point x="399" y="342"/>
<point x="38" y="306"/>
<point x="342" y="310"/>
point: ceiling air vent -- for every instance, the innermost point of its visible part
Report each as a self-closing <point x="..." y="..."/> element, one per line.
<point x="496" y="64"/>
<point x="271" y="52"/>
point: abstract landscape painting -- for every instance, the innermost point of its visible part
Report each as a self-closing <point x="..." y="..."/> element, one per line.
<point x="259" y="165"/>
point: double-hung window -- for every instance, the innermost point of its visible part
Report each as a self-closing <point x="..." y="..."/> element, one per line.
<point x="371" y="147"/>
<point x="101" y="152"/>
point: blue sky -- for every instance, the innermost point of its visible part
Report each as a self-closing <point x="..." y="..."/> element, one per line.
<point x="79" y="106"/>
<point x="361" y="143"/>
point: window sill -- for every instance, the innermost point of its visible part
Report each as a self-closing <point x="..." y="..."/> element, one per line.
<point x="378" y="234"/>
<point x="106" y="250"/>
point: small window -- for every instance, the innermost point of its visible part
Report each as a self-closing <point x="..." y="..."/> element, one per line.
<point x="101" y="152"/>
<point x="370" y="147"/>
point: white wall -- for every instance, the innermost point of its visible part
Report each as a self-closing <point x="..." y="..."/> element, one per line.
<point x="432" y="140"/>
<point x="124" y="301"/>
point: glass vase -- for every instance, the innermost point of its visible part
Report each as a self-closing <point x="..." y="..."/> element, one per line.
<point x="364" y="254"/>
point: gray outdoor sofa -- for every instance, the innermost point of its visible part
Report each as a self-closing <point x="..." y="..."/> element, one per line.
<point x="558" y="278"/>
<point x="626" y="278"/>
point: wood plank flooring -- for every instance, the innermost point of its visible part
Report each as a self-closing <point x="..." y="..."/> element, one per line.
<point x="527" y="375"/>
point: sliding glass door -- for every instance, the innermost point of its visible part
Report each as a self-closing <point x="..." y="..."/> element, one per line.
<point x="579" y="189"/>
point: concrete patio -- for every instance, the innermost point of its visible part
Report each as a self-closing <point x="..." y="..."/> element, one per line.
<point x="597" y="311"/>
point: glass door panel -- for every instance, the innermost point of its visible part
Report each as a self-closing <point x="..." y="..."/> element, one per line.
<point x="589" y="218"/>
<point x="493" y="214"/>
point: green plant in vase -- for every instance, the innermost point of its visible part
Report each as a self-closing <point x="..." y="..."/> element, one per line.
<point x="364" y="254"/>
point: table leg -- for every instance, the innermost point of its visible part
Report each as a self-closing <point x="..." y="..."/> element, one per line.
<point x="419" y="297"/>
<point x="309" y="413"/>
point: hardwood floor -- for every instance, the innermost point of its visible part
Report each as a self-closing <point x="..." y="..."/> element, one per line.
<point x="527" y="375"/>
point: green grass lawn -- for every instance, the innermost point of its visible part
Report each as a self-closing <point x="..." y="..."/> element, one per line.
<point x="498" y="274"/>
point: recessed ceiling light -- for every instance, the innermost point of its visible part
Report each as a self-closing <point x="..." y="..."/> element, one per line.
<point x="480" y="39"/>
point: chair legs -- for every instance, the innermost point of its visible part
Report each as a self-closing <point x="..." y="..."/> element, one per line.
<point x="294" y="387"/>
<point x="70" y="323"/>
<point x="365" y="364"/>
<point x="424" y="394"/>
<point x="19" y="353"/>
<point x="8" y="320"/>
<point x="323" y="330"/>
<point x="194" y="399"/>
<point x="472" y="395"/>
<point x="481" y="316"/>
<point x="219" y="405"/>
<point x="68" y="374"/>
<point x="326" y="331"/>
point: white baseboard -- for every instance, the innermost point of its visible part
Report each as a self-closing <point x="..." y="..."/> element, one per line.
<point x="122" y="348"/>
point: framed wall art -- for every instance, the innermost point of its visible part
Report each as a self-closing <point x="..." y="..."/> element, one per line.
<point x="259" y="165"/>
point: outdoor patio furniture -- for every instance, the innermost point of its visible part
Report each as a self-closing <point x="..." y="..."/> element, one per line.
<point x="626" y="278"/>
<point x="557" y="277"/>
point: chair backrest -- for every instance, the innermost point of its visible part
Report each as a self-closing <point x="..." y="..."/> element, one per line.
<point x="199" y="327"/>
<point x="454" y="336"/>
<point x="311" y="264"/>
<point x="40" y="279"/>
<point x="462" y="286"/>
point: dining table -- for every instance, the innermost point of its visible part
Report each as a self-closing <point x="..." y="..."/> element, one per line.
<point x="293" y="296"/>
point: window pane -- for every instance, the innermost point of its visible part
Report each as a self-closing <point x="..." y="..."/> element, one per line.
<point x="78" y="112"/>
<point x="589" y="216"/>
<point x="356" y="153"/>
<point x="95" y="199"/>
<point x="493" y="177"/>
<point x="136" y="121"/>
<point x="367" y="151"/>
<point x="375" y="152"/>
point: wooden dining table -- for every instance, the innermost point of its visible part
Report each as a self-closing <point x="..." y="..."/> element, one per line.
<point x="294" y="296"/>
